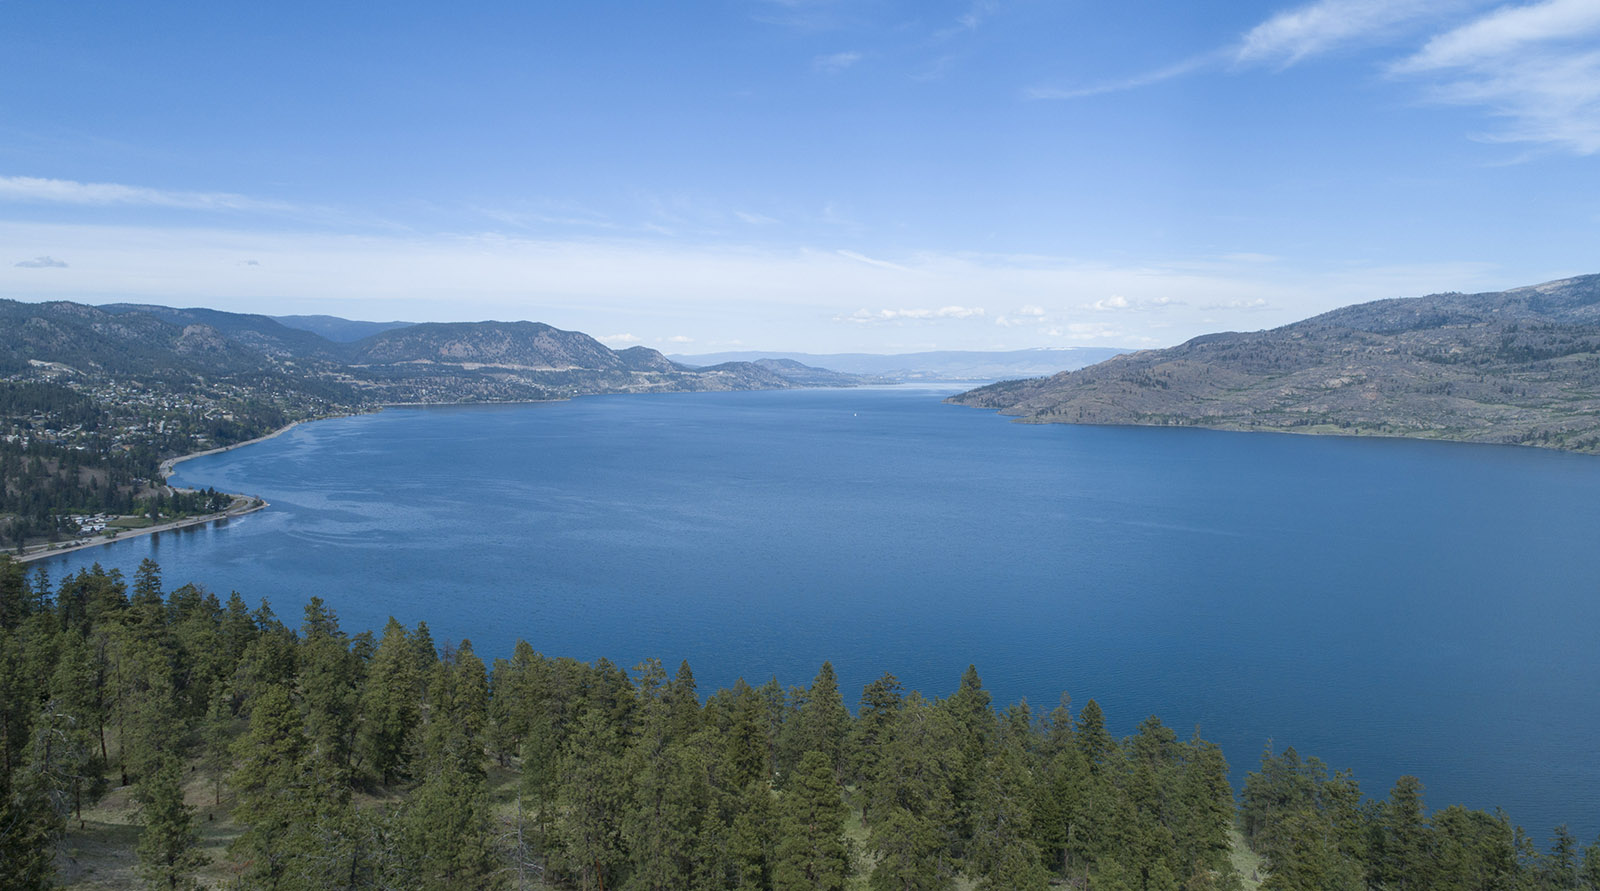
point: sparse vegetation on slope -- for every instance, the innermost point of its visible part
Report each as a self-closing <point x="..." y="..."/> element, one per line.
<point x="1519" y="366"/>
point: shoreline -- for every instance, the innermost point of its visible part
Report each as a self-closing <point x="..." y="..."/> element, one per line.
<point x="248" y="504"/>
<point x="166" y="467"/>
<point x="242" y="504"/>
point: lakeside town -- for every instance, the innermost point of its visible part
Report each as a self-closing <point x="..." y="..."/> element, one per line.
<point x="82" y="452"/>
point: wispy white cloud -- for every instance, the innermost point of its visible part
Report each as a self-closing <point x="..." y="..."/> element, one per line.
<point x="36" y="190"/>
<point x="1256" y="304"/>
<point x="871" y="261"/>
<point x="970" y="20"/>
<point x="865" y="316"/>
<point x="42" y="262"/>
<point x="610" y="339"/>
<point x="1117" y="302"/>
<point x="1282" y="40"/>
<point x="1147" y="79"/>
<point x="976" y="13"/>
<point x="1030" y="315"/>
<point x="679" y="338"/>
<point x="1319" y="27"/>
<point x="755" y="219"/>
<point x="834" y="63"/>
<point x="1533" y="66"/>
<point x="1509" y="29"/>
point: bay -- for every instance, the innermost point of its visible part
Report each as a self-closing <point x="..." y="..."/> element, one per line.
<point x="1389" y="606"/>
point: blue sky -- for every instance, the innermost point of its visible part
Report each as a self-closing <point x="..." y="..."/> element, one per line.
<point x="820" y="175"/>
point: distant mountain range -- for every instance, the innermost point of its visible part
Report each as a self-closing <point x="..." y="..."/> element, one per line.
<point x="339" y="330"/>
<point x="393" y="363"/>
<point x="1519" y="366"/>
<point x="944" y="365"/>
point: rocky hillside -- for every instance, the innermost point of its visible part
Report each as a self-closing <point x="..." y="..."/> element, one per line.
<point x="529" y="345"/>
<point x="423" y="363"/>
<point x="1519" y="366"/>
<point x="261" y="334"/>
<point x="119" y="342"/>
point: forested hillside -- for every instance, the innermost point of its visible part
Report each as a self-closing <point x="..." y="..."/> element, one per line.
<point x="92" y="399"/>
<point x="184" y="739"/>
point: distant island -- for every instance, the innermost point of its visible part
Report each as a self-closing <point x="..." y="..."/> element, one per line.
<point x="1519" y="367"/>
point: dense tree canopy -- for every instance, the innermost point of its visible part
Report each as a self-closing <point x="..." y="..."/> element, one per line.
<point x="389" y="762"/>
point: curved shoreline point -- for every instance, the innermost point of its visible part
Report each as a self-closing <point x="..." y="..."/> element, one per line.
<point x="243" y="504"/>
<point x="249" y="505"/>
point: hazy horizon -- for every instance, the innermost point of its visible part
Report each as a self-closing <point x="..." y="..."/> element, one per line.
<point x="805" y="175"/>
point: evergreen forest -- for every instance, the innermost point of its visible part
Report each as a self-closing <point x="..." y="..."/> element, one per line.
<point x="259" y="753"/>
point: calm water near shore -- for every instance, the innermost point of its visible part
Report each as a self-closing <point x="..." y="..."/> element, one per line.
<point x="1390" y="606"/>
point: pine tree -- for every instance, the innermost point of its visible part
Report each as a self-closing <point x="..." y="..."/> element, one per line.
<point x="216" y="740"/>
<point x="1472" y="850"/>
<point x="1058" y="812"/>
<point x="516" y="701"/>
<point x="913" y="822"/>
<point x="446" y="834"/>
<point x="1094" y="743"/>
<point x="880" y="706"/>
<point x="683" y="704"/>
<point x="751" y="845"/>
<point x="31" y="821"/>
<point x="15" y="603"/>
<point x="147" y="584"/>
<point x="73" y="715"/>
<point x="328" y="693"/>
<point x="1205" y="812"/>
<point x="823" y="719"/>
<point x="1407" y="861"/>
<point x="1591" y="865"/>
<point x="541" y="759"/>
<point x="975" y="727"/>
<point x="812" y="852"/>
<point x="593" y="791"/>
<point x="1561" y="867"/>
<point x="662" y="828"/>
<point x="747" y="748"/>
<point x="1003" y="853"/>
<point x="389" y="705"/>
<point x="168" y="846"/>
<point x="276" y="800"/>
<point x="147" y="709"/>
<point x="653" y="828"/>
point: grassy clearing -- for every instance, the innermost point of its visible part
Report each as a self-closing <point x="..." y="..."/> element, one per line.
<point x="1246" y="863"/>
<point x="98" y="851"/>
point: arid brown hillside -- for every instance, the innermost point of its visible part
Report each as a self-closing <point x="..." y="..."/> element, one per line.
<point x="1519" y="366"/>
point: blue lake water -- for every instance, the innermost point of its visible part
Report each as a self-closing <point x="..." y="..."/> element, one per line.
<point x="1389" y="606"/>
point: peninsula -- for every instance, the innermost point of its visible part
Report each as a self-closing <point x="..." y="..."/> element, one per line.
<point x="1517" y="367"/>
